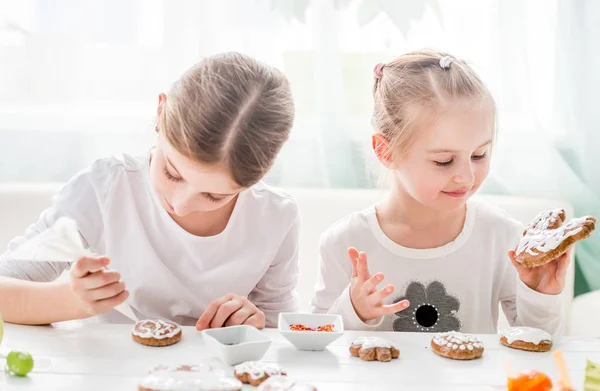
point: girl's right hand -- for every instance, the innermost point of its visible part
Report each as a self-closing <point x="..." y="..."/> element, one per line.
<point x="99" y="290"/>
<point x="366" y="299"/>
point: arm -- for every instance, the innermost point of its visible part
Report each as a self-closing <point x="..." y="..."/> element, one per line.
<point x="275" y="292"/>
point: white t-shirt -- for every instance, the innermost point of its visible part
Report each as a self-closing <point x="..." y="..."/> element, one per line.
<point x="170" y="273"/>
<point x="453" y="287"/>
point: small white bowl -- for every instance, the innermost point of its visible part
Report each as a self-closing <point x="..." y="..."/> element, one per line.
<point x="237" y="344"/>
<point x="310" y="340"/>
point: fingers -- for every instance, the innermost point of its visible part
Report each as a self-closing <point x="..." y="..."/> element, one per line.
<point x="210" y="312"/>
<point x="105" y="305"/>
<point x="371" y="284"/>
<point x="353" y="254"/>
<point x="393" y="308"/>
<point x="363" y="267"/>
<point x="86" y="265"/>
<point x="257" y="320"/>
<point x="241" y="316"/>
<point x="376" y="298"/>
<point x="98" y="279"/>
<point x="513" y="258"/>
<point x="105" y="292"/>
<point x="225" y="311"/>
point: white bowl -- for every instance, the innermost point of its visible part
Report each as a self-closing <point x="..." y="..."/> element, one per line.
<point x="310" y="340"/>
<point x="236" y="344"/>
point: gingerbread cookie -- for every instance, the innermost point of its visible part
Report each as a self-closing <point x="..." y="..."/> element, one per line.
<point x="374" y="349"/>
<point x="526" y="338"/>
<point x="188" y="377"/>
<point x="256" y="372"/>
<point x="156" y="332"/>
<point x="548" y="237"/>
<point x="457" y="346"/>
<point x="284" y="383"/>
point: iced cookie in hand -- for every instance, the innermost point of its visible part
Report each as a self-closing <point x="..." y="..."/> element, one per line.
<point x="256" y="372"/>
<point x="156" y="332"/>
<point x="374" y="349"/>
<point x="526" y="338"/>
<point x="548" y="236"/>
<point x="457" y="346"/>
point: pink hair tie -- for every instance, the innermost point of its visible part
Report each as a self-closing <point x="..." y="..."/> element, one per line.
<point x="378" y="71"/>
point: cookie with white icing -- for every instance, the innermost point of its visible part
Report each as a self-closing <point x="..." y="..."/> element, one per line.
<point x="256" y="372"/>
<point x="188" y="378"/>
<point x="526" y="338"/>
<point x="374" y="349"/>
<point x="284" y="383"/>
<point x="156" y="332"/>
<point x="548" y="236"/>
<point x="457" y="346"/>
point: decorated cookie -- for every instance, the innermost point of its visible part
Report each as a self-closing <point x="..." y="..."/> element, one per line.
<point x="526" y="338"/>
<point x="188" y="377"/>
<point x="457" y="346"/>
<point x="374" y="349"/>
<point x="284" y="383"/>
<point x="548" y="236"/>
<point x="256" y="372"/>
<point x="156" y="332"/>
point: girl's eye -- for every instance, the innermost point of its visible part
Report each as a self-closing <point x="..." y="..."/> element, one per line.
<point x="479" y="157"/>
<point x="171" y="177"/>
<point x="444" y="164"/>
<point x="212" y="198"/>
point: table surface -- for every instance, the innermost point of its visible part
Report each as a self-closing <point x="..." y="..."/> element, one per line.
<point x="104" y="357"/>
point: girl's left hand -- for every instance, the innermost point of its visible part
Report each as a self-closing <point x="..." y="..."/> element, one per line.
<point x="548" y="279"/>
<point x="231" y="310"/>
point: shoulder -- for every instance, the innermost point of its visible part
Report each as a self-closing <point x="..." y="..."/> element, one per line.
<point x="344" y="232"/>
<point x="496" y="221"/>
<point x="272" y="203"/>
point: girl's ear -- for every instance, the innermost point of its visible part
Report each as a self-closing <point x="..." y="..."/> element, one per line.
<point x="162" y="100"/>
<point x="381" y="147"/>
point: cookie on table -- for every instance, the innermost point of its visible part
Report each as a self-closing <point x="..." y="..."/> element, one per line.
<point x="188" y="377"/>
<point x="256" y="372"/>
<point x="457" y="346"/>
<point x="284" y="383"/>
<point x="526" y="338"/>
<point x="374" y="349"/>
<point x="156" y="332"/>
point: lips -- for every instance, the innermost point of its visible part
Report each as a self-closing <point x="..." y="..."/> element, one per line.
<point x="457" y="193"/>
<point x="169" y="206"/>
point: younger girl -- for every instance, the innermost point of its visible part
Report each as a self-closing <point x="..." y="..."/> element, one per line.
<point x="189" y="233"/>
<point x="448" y="254"/>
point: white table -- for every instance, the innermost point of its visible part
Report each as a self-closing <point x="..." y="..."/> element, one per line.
<point x="104" y="357"/>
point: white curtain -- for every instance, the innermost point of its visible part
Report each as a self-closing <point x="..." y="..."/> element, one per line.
<point x="79" y="80"/>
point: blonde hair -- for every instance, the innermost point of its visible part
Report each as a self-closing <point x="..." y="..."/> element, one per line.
<point x="417" y="81"/>
<point x="230" y="109"/>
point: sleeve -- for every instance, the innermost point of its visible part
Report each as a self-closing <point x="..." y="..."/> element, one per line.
<point x="276" y="290"/>
<point x="525" y="307"/>
<point x="81" y="199"/>
<point x="332" y="292"/>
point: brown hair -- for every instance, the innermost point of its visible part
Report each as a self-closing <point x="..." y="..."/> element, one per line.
<point x="230" y="109"/>
<point x="417" y="81"/>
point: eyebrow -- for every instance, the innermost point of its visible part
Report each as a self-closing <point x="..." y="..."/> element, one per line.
<point x="454" y="150"/>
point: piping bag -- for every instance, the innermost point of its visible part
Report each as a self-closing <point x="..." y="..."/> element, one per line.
<point x="59" y="243"/>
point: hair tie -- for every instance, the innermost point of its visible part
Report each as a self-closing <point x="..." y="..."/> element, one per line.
<point x="378" y="71"/>
<point x="445" y="62"/>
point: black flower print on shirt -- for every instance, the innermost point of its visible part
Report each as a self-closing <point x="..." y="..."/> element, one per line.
<point x="431" y="309"/>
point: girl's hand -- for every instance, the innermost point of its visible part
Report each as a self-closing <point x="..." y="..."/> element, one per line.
<point x="98" y="290"/>
<point x="549" y="278"/>
<point x="231" y="310"/>
<point x="366" y="299"/>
